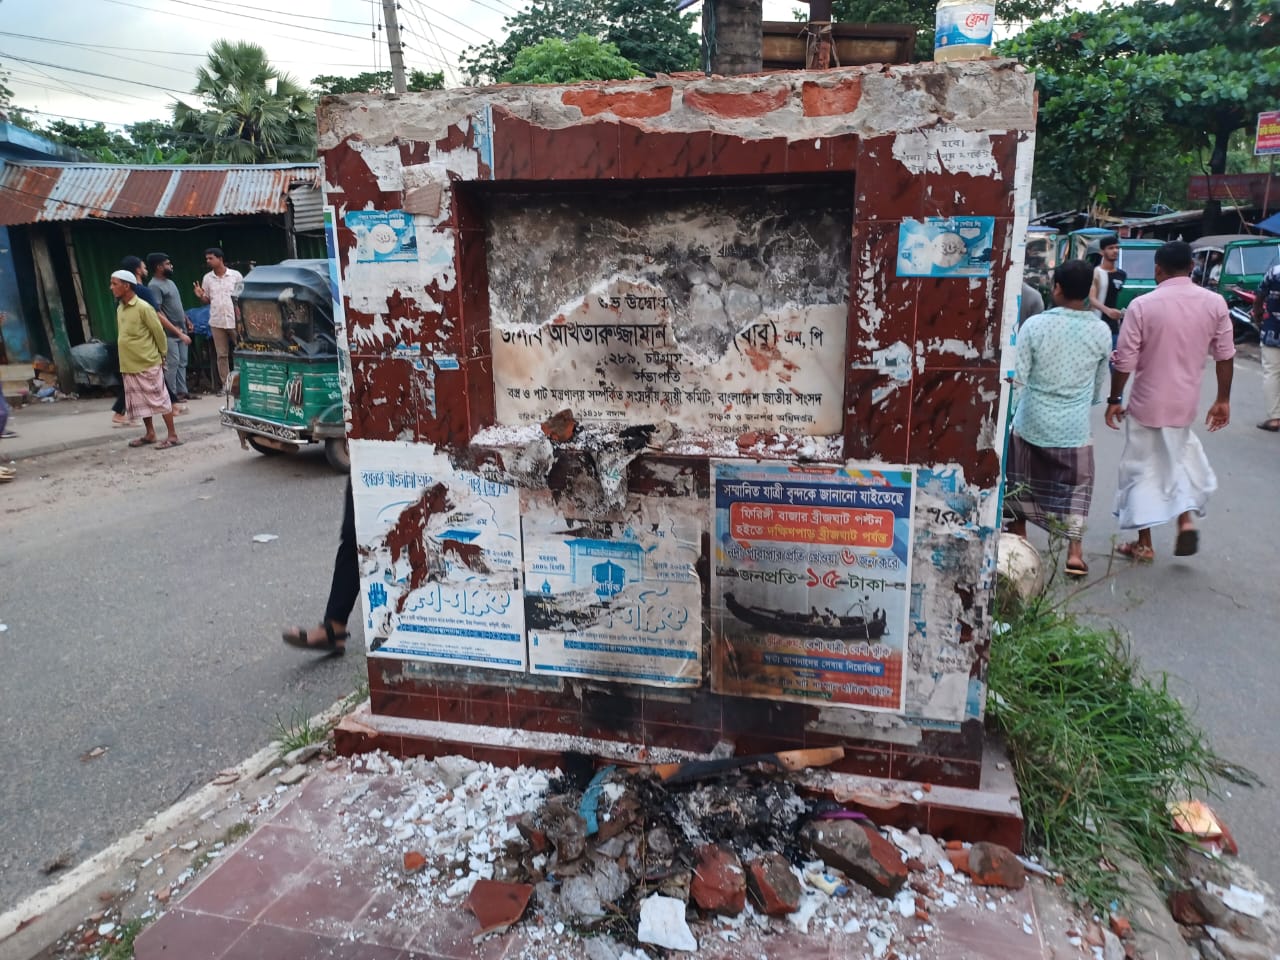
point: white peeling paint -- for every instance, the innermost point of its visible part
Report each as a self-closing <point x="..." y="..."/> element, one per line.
<point x="946" y="147"/>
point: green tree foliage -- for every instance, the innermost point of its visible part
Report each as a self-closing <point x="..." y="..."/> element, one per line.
<point x="247" y="111"/>
<point x="582" y="58"/>
<point x="649" y="33"/>
<point x="375" y="82"/>
<point x="920" y="13"/>
<point x="1127" y="90"/>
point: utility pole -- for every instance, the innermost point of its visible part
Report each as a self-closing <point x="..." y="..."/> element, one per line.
<point x="393" y="43"/>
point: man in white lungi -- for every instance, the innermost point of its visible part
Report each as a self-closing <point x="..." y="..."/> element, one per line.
<point x="1165" y="336"/>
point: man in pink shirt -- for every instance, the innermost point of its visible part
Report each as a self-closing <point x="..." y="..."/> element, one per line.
<point x="1163" y="342"/>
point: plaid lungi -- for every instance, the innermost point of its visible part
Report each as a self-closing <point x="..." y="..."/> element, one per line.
<point x="1049" y="485"/>
<point x="145" y="394"/>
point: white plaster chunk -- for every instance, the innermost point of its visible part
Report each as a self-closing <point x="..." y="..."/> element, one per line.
<point x="662" y="923"/>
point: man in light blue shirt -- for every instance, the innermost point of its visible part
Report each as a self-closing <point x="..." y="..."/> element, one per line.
<point x="1061" y="372"/>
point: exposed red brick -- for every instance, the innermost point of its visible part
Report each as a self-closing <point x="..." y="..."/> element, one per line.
<point x="630" y="104"/>
<point x="414" y="861"/>
<point x="1183" y="906"/>
<point x="991" y="865"/>
<point x="559" y="427"/>
<point x="774" y="887"/>
<point x="1121" y="926"/>
<point x="959" y="859"/>
<point x="736" y="105"/>
<point x="719" y="883"/>
<point x="861" y="853"/>
<point x="828" y="101"/>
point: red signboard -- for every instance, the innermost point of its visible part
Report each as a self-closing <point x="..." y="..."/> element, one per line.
<point x="1267" y="140"/>
<point x="1248" y="188"/>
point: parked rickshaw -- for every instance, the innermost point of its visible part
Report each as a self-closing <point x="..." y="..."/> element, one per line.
<point x="284" y="391"/>
<point x="1234" y="264"/>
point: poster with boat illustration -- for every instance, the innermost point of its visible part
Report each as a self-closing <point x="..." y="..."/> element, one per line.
<point x="615" y="599"/>
<point x="811" y="582"/>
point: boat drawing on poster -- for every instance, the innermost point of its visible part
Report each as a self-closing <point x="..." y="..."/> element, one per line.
<point x="850" y="625"/>
<point x="811" y="582"/>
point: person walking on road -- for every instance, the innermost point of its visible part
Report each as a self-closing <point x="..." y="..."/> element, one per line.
<point x="217" y="288"/>
<point x="1266" y="314"/>
<point x="1108" y="281"/>
<point x="7" y="473"/>
<point x="178" y="329"/>
<point x="1164" y="473"/>
<point x="1061" y="373"/>
<point x="142" y="346"/>
<point x="331" y="635"/>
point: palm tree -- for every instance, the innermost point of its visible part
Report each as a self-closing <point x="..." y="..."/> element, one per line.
<point x="249" y="112"/>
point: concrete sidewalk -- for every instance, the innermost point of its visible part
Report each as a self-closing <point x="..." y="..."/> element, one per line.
<point x="45" y="428"/>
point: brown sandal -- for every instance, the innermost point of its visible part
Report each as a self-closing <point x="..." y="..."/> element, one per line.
<point x="1136" y="552"/>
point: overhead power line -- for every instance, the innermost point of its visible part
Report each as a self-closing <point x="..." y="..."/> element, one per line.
<point x="90" y="73"/>
<point x="223" y="21"/>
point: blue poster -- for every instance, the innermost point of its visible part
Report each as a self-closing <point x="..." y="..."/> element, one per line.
<point x="383" y="236"/>
<point x="946" y="247"/>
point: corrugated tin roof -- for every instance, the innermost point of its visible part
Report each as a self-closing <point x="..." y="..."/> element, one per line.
<point x="35" y="192"/>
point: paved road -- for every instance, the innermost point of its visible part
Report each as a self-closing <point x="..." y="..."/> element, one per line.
<point x="143" y="618"/>
<point x="1212" y="621"/>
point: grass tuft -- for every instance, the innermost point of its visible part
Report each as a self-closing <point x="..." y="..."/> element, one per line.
<point x="298" y="730"/>
<point x="1099" y="749"/>
<point x="122" y="949"/>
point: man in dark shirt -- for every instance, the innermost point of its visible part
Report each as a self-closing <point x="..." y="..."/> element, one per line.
<point x="1266" y="313"/>
<point x="175" y="361"/>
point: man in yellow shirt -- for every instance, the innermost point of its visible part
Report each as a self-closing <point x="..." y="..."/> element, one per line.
<point x="142" y="345"/>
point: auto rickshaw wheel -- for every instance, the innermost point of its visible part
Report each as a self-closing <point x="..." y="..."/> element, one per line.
<point x="336" y="452"/>
<point x="271" y="448"/>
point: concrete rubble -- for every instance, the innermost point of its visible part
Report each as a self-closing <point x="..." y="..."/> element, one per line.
<point x="625" y="866"/>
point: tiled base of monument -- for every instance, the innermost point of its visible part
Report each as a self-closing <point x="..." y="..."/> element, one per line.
<point x="991" y="812"/>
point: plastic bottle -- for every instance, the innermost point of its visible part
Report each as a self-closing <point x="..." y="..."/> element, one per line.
<point x="962" y="29"/>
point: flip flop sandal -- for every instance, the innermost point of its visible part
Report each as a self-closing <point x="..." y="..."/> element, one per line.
<point x="297" y="637"/>
<point x="1187" y="544"/>
<point x="1271" y="426"/>
<point x="1076" y="571"/>
<point x="166" y="444"/>
<point x="1136" y="552"/>
<point x="142" y="442"/>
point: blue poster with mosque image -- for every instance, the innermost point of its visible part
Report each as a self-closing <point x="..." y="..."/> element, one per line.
<point x="613" y="600"/>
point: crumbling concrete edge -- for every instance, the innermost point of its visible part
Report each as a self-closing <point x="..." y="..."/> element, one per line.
<point x="38" y="921"/>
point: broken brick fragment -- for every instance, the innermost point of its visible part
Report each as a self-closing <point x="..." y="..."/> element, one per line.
<point x="533" y="836"/>
<point x="559" y="427"/>
<point x="719" y="882"/>
<point x="773" y="886"/>
<point x="991" y="865"/>
<point x="1121" y="927"/>
<point x="959" y="859"/>
<point x="1183" y="907"/>
<point x="414" y="861"/>
<point x="861" y="853"/>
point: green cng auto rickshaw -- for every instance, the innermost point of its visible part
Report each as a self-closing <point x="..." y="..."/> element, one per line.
<point x="285" y="391"/>
<point x="1233" y="265"/>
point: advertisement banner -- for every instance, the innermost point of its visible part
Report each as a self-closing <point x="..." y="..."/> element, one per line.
<point x="1266" y="141"/>
<point x="440" y="572"/>
<point x="811" y="582"/>
<point x="946" y="247"/>
<point x="614" y="600"/>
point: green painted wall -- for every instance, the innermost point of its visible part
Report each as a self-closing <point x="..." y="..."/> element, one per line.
<point x="99" y="248"/>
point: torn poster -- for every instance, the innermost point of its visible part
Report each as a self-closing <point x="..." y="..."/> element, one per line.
<point x="440" y="572"/>
<point x="614" y="600"/>
<point x="946" y="247"/>
<point x="810" y="582"/>
<point x="383" y="235"/>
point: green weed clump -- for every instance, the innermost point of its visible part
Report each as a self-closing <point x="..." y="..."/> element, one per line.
<point x="1099" y="750"/>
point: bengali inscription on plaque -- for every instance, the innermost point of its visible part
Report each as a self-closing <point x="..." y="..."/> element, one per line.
<point x="720" y="314"/>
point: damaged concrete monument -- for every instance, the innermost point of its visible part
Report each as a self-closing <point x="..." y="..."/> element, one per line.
<point x="676" y="409"/>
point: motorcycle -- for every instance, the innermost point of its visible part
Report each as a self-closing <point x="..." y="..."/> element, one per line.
<point x="1240" y="306"/>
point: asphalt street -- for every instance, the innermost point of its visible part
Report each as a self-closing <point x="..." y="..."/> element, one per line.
<point x="1212" y="621"/>
<point x="143" y="619"/>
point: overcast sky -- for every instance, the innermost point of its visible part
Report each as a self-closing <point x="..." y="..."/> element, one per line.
<point x="136" y="56"/>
